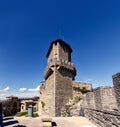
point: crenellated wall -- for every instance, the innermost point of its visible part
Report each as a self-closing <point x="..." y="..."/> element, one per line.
<point x="101" y="107"/>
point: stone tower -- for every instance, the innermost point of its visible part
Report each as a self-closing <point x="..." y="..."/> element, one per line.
<point x="56" y="91"/>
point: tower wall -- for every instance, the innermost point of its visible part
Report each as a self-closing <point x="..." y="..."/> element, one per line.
<point x="48" y="95"/>
<point x="63" y="89"/>
<point x="53" y="54"/>
<point x="64" y="52"/>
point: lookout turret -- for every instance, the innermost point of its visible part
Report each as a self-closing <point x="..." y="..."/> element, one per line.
<point x="59" y="54"/>
<point x="59" y="50"/>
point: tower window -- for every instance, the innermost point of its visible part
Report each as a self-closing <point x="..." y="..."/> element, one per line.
<point x="55" y="43"/>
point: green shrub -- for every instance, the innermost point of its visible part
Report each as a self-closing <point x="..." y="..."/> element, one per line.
<point x="43" y="104"/>
<point x="34" y="109"/>
<point x="35" y="115"/>
<point x="82" y="90"/>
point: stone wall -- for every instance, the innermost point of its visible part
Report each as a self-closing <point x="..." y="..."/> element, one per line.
<point x="81" y="85"/>
<point x="90" y="100"/>
<point x="101" y="107"/>
<point x="103" y="118"/>
<point x="56" y="91"/>
<point x="47" y="94"/>
<point x="63" y="89"/>
<point x="116" y="83"/>
<point x="105" y="98"/>
<point x="98" y="101"/>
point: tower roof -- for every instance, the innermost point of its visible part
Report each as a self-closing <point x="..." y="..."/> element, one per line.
<point x="61" y="42"/>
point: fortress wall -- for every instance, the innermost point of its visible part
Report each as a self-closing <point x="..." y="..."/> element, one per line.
<point x="108" y="98"/>
<point x="103" y="118"/>
<point x="90" y="99"/>
<point x="101" y="107"/>
<point x="87" y="85"/>
<point x="98" y="101"/>
<point x="116" y="83"/>
<point x="63" y="90"/>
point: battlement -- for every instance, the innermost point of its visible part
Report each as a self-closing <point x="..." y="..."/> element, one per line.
<point x="81" y="85"/>
<point x="60" y="64"/>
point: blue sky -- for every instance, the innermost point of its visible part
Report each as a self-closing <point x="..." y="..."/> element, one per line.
<point x="91" y="27"/>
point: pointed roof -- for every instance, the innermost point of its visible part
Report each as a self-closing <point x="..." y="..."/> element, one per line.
<point x="61" y="42"/>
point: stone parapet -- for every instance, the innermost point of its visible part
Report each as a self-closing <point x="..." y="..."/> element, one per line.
<point x="103" y="118"/>
<point x="90" y="100"/>
<point x="46" y="121"/>
<point x="101" y="107"/>
<point x="60" y="64"/>
<point x="105" y="98"/>
<point x="81" y="85"/>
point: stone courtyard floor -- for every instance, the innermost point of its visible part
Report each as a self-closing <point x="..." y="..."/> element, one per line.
<point x="56" y="121"/>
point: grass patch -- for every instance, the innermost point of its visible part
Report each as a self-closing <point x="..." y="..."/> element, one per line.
<point x="19" y="114"/>
<point x="35" y="115"/>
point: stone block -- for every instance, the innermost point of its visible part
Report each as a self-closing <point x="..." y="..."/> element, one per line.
<point x="46" y="118"/>
<point x="47" y="124"/>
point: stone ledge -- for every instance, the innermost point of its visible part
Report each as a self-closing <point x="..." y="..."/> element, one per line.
<point x="46" y="118"/>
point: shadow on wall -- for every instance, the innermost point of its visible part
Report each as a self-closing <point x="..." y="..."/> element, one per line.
<point x="7" y="121"/>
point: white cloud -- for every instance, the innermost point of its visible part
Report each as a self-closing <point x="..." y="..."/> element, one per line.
<point x="22" y="89"/>
<point x="27" y="94"/>
<point x="34" y="89"/>
<point x="21" y="93"/>
<point x="6" y="88"/>
<point x="3" y="96"/>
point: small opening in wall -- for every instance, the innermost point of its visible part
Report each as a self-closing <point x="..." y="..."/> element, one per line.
<point x="55" y="43"/>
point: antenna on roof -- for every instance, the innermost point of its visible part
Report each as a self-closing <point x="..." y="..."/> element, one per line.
<point x="60" y="34"/>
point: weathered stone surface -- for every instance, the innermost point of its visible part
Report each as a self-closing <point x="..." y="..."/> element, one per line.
<point x="81" y="85"/>
<point x="47" y="124"/>
<point x="116" y="83"/>
<point x="46" y="118"/>
<point x="90" y="99"/>
<point x="101" y="107"/>
<point x="105" y="98"/>
<point x="103" y="118"/>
